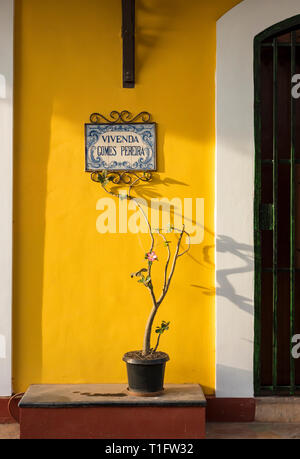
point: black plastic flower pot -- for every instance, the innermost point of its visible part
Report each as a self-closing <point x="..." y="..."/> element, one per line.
<point x="145" y="376"/>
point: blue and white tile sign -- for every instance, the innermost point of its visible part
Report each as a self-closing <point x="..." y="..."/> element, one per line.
<point x="117" y="147"/>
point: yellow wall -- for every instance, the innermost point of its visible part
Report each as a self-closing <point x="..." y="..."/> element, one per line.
<point x="76" y="311"/>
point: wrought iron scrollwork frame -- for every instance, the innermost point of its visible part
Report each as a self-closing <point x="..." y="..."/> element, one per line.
<point x="123" y="177"/>
<point x="125" y="117"/>
<point x="120" y="117"/>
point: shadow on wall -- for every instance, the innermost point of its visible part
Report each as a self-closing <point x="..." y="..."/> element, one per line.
<point x="173" y="208"/>
<point x="30" y="188"/>
<point x="148" y="190"/>
<point x="243" y="252"/>
<point x="158" y="15"/>
<point x="228" y="375"/>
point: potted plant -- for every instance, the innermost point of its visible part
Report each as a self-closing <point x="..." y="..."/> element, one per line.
<point x="146" y="367"/>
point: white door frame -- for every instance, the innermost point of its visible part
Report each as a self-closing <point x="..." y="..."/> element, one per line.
<point x="235" y="156"/>
<point x="6" y="191"/>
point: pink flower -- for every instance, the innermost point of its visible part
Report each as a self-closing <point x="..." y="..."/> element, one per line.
<point x="151" y="256"/>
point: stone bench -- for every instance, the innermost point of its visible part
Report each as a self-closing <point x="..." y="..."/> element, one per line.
<point x="95" y="411"/>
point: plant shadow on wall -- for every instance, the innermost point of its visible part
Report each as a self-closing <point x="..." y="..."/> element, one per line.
<point x="243" y="252"/>
<point x="172" y="208"/>
<point x="148" y="190"/>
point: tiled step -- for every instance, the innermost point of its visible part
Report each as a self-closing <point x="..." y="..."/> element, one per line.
<point x="278" y="409"/>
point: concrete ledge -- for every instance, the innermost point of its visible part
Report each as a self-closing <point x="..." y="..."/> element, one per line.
<point x="278" y="409"/>
<point x="74" y="395"/>
<point x="94" y="411"/>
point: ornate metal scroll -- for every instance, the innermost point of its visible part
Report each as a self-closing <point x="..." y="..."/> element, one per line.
<point x="124" y="177"/>
<point x="120" y="117"/>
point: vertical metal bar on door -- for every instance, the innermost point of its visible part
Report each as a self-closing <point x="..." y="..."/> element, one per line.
<point x="292" y="221"/>
<point x="275" y="202"/>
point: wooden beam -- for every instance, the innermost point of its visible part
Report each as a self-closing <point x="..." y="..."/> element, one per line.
<point x="128" y="35"/>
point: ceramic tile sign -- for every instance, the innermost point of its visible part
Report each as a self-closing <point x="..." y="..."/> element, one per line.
<point x="120" y="147"/>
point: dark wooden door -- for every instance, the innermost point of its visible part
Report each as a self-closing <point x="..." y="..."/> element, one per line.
<point x="277" y="209"/>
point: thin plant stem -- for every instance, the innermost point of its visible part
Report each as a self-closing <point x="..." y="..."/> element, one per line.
<point x="167" y="278"/>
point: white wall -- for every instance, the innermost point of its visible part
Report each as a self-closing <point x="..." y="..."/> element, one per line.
<point x="235" y="156"/>
<point x="6" y="158"/>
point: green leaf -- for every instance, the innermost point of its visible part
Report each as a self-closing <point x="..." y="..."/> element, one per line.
<point x="139" y="273"/>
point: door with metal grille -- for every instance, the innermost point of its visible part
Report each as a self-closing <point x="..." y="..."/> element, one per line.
<point x="277" y="208"/>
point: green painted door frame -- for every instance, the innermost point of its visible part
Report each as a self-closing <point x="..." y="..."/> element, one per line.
<point x="266" y="214"/>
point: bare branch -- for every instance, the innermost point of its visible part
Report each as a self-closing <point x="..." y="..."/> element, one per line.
<point x="150" y="288"/>
<point x="167" y="262"/>
<point x="189" y="245"/>
<point x="130" y="198"/>
<point x="147" y="222"/>
<point x="132" y="185"/>
<point x="172" y="269"/>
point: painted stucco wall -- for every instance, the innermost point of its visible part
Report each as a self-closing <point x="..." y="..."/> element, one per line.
<point x="76" y="310"/>
<point x="6" y="156"/>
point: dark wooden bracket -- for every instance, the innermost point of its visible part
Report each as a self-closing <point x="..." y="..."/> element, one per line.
<point x="128" y="35"/>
